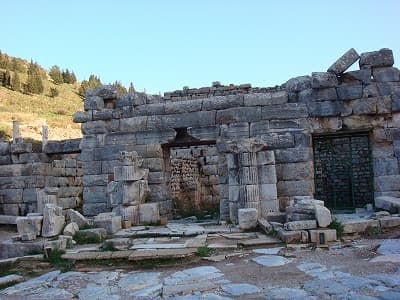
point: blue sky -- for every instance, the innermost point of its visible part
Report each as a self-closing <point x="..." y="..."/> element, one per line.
<point x="164" y="45"/>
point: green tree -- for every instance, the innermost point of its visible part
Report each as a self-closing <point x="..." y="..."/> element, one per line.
<point x="15" y="82"/>
<point x="68" y="77"/>
<point x="17" y="65"/>
<point x="131" y="88"/>
<point x="4" y="61"/>
<point x="56" y="75"/>
<point x="73" y="78"/>
<point x="7" y="79"/>
<point x="121" y="89"/>
<point x="34" y="84"/>
<point x="91" y="83"/>
<point x="53" y="92"/>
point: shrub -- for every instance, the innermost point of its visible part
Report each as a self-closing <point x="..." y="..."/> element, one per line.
<point x="86" y="238"/>
<point x="204" y="251"/>
<point x="336" y="224"/>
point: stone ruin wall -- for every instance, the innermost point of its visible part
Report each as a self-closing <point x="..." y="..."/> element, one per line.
<point x="263" y="136"/>
<point x="27" y="171"/>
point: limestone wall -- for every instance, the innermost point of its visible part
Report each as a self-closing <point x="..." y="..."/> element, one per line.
<point x="281" y="119"/>
<point x="26" y="170"/>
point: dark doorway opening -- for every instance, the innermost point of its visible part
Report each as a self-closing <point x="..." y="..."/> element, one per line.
<point x="343" y="172"/>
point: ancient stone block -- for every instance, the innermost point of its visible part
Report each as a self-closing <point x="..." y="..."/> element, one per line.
<point x="21" y="148"/>
<point x="71" y="229"/>
<point x="204" y="133"/>
<point x="104" y="91"/>
<point x="109" y="221"/>
<point x="46" y="196"/>
<point x="104" y="114"/>
<point x="265" y="158"/>
<point x="149" y="213"/>
<point x="391" y="204"/>
<point x="193" y="119"/>
<point x="381" y="58"/>
<point x="259" y="128"/>
<point x="325" y="109"/>
<point x="4" y="148"/>
<point x="359" y="225"/>
<point x="130" y="213"/>
<point x="29" y="227"/>
<point x="300" y="225"/>
<point x="267" y="174"/>
<point x="329" y="235"/>
<point x="93" y="102"/>
<point x="284" y="111"/>
<point x="129" y="173"/>
<point x="82" y="116"/>
<point x="298" y="154"/>
<point x="386" y="74"/>
<point x="53" y="220"/>
<point x="94" y="194"/>
<point x="293" y="188"/>
<point x="262" y="99"/>
<point x="222" y="102"/>
<point x="349" y="91"/>
<point x="344" y="62"/>
<point x="275" y="140"/>
<point x="134" y="124"/>
<point x="323" y="216"/>
<point x="359" y="76"/>
<point x="324" y="94"/>
<point x="323" y="80"/>
<point x="235" y="131"/>
<point x="294" y="171"/>
<point x="298" y="84"/>
<point x="386" y="166"/>
<point x="238" y="114"/>
<point x="183" y="106"/>
<point x="76" y="217"/>
<point x="92" y="209"/>
<point x="247" y="218"/>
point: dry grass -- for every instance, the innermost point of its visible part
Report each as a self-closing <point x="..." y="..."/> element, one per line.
<point x="34" y="110"/>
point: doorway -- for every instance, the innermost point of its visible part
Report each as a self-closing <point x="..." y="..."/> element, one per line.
<point x="343" y="174"/>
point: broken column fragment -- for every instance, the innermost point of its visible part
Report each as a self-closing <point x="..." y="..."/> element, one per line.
<point x="29" y="227"/>
<point x="53" y="220"/>
<point x="344" y="62"/>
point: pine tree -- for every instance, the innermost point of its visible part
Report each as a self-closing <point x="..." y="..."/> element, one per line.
<point x="121" y="89"/>
<point x="56" y="75"/>
<point x="7" y="79"/>
<point x="91" y="83"/>
<point x="15" y="82"/>
<point x="73" y="78"/>
<point x="53" y="92"/>
<point x="131" y="88"/>
<point x="34" y="84"/>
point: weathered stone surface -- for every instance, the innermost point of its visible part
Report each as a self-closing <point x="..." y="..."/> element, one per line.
<point x="129" y="173"/>
<point x="271" y="260"/>
<point x="293" y="188"/>
<point x="298" y="154"/>
<point x="359" y="76"/>
<point x="387" y="183"/>
<point x="349" y="91"/>
<point x="344" y="62"/>
<point x="323" y="216"/>
<point x="262" y="99"/>
<point x="389" y="222"/>
<point x="98" y="233"/>
<point x="238" y="114"/>
<point x="358" y="225"/>
<point x="365" y="106"/>
<point x="298" y="84"/>
<point x="390" y="204"/>
<point x="103" y="91"/>
<point x="219" y="102"/>
<point x="29" y="227"/>
<point x="76" y="217"/>
<point x="71" y="229"/>
<point x="149" y="213"/>
<point x="247" y="218"/>
<point x="329" y="235"/>
<point x="294" y="171"/>
<point x="381" y="58"/>
<point x="53" y="220"/>
<point x="239" y="289"/>
<point x="300" y="225"/>
<point x="323" y="80"/>
<point x="20" y="148"/>
<point x="82" y="116"/>
<point x="326" y="109"/>
<point x="284" y="111"/>
<point x="386" y="74"/>
<point x="183" y="106"/>
<point x="109" y="221"/>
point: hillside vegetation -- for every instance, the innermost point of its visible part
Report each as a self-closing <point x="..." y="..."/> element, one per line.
<point x="53" y="105"/>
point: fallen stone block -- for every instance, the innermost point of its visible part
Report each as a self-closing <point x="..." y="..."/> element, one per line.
<point x="329" y="235"/>
<point x="9" y="279"/>
<point x="71" y="229"/>
<point x="381" y="58"/>
<point x="391" y="204"/>
<point x="109" y="221"/>
<point x="265" y="226"/>
<point x="323" y="216"/>
<point x="149" y="213"/>
<point x="300" y="225"/>
<point x="389" y="222"/>
<point x="53" y="220"/>
<point x="290" y="236"/>
<point x="95" y="233"/>
<point x="29" y="227"/>
<point x="247" y="218"/>
<point x="359" y="225"/>
<point x="77" y="217"/>
<point x="344" y="62"/>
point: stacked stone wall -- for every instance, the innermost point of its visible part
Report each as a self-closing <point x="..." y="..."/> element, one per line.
<point x="26" y="169"/>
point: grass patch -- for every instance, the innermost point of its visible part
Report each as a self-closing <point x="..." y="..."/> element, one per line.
<point x="204" y="251"/>
<point x="88" y="226"/>
<point x="108" y="246"/>
<point x="86" y="238"/>
<point x="336" y="224"/>
<point x="54" y="258"/>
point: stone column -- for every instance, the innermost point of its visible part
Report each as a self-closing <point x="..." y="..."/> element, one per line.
<point x="15" y="132"/>
<point x="45" y="136"/>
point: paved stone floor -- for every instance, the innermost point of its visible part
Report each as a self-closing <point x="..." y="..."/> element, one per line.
<point x="273" y="273"/>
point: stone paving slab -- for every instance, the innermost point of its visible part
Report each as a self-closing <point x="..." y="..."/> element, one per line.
<point x="143" y="254"/>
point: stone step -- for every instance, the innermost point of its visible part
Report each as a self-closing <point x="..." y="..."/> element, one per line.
<point x="144" y="254"/>
<point x="260" y="242"/>
<point x="8" y="220"/>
